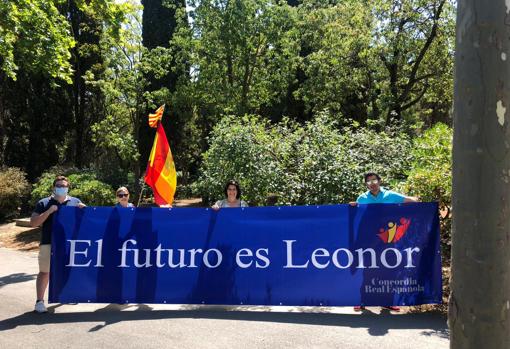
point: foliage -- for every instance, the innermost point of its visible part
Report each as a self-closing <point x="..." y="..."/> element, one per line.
<point x="48" y="110"/>
<point x="84" y="185"/>
<point x="14" y="188"/>
<point x="430" y="177"/>
<point x="88" y="72"/>
<point x="311" y="164"/>
<point x="382" y="60"/>
<point x="242" y="54"/>
<point x="414" y="41"/>
<point x="387" y="153"/>
<point x="315" y="164"/>
<point x="239" y="150"/>
<point x="336" y="57"/>
<point x="35" y="36"/>
<point x="114" y="135"/>
<point x="160" y="72"/>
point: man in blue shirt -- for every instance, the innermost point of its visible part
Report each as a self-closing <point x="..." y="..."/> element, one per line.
<point x="380" y="195"/>
<point x="43" y="214"/>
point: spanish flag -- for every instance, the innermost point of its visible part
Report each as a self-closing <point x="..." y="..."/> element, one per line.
<point x="160" y="174"/>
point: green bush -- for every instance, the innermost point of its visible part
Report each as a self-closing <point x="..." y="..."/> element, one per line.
<point x="430" y="177"/>
<point x="240" y="149"/>
<point x="314" y="163"/>
<point x="84" y="185"/>
<point x="14" y="188"/>
<point x="387" y="153"/>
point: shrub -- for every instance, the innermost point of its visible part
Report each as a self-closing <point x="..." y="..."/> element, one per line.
<point x="430" y="177"/>
<point x="240" y="149"/>
<point x="387" y="153"/>
<point x="84" y="185"/>
<point x="314" y="163"/>
<point x="14" y="188"/>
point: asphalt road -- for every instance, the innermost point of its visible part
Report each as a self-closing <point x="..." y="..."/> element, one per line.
<point x="189" y="326"/>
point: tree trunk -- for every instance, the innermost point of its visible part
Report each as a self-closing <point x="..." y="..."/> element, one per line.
<point x="479" y="306"/>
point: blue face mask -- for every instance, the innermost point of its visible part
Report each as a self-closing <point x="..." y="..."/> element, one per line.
<point x="61" y="192"/>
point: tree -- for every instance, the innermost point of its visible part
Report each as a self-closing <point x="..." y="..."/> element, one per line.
<point x="338" y="62"/>
<point x="243" y="55"/>
<point x="160" y="74"/>
<point x="479" y="306"/>
<point x="386" y="60"/>
<point x="34" y="54"/>
<point x="412" y="40"/>
<point x="114" y="135"/>
<point x="35" y="36"/>
<point x="54" y="45"/>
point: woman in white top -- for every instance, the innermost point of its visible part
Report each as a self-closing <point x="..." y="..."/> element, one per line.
<point x="232" y="194"/>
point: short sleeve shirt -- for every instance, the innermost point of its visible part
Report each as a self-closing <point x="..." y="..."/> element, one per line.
<point x="43" y="205"/>
<point x="383" y="197"/>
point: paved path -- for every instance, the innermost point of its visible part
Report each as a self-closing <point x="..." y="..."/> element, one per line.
<point x="185" y="326"/>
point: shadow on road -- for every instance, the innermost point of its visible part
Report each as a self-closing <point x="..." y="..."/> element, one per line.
<point x="433" y="324"/>
<point x="15" y="278"/>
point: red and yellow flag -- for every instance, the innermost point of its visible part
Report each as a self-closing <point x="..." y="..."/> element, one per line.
<point x="161" y="175"/>
<point x="154" y="118"/>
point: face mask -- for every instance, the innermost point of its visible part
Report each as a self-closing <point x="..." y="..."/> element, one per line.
<point x="61" y="191"/>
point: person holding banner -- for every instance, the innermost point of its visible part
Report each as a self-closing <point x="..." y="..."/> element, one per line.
<point x="43" y="215"/>
<point x="377" y="194"/>
<point x="123" y="198"/>
<point x="232" y="192"/>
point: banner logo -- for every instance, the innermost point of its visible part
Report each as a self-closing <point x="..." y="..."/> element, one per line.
<point x="395" y="231"/>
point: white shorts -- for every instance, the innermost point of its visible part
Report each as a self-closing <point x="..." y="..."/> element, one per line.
<point x="44" y="258"/>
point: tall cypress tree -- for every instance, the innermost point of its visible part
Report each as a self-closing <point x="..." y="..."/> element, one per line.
<point x="159" y="22"/>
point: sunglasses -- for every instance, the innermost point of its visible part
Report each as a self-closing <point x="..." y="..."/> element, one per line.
<point x="372" y="181"/>
<point x="61" y="186"/>
<point x="122" y="195"/>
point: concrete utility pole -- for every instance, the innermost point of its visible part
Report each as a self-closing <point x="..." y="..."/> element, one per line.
<point x="479" y="312"/>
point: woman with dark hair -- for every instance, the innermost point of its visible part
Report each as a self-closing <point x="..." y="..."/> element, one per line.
<point x="232" y="197"/>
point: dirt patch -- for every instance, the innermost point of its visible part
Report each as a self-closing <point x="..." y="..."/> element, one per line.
<point x="19" y="238"/>
<point x="193" y="202"/>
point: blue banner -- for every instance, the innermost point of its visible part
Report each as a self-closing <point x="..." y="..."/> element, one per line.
<point x="336" y="255"/>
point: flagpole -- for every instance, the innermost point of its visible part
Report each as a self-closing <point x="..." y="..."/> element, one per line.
<point x="141" y="193"/>
<point x="153" y="122"/>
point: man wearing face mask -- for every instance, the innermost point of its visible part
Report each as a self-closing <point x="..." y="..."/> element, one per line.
<point x="43" y="214"/>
